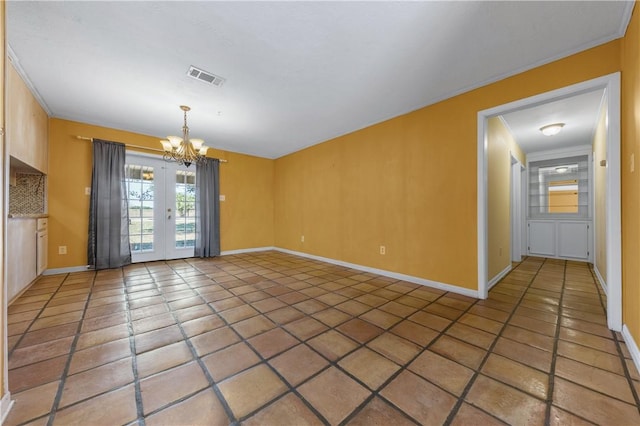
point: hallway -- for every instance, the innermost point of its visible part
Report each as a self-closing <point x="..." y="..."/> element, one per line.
<point x="272" y="338"/>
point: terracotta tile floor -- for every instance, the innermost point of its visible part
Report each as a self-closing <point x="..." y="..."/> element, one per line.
<point x="271" y="338"/>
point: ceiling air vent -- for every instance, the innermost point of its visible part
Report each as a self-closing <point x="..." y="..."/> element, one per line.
<point x="205" y="76"/>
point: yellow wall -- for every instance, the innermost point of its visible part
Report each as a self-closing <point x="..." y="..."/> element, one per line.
<point x="246" y="217"/>
<point x="631" y="180"/>
<point x="600" y="185"/>
<point x="408" y="183"/>
<point x="499" y="147"/>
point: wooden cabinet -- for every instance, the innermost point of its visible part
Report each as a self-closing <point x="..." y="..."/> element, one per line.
<point x="26" y="124"/>
<point x="21" y="255"/>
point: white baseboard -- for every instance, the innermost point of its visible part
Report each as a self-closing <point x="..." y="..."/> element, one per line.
<point x="416" y="280"/>
<point x="247" y="250"/>
<point x="603" y="283"/>
<point x="5" y="406"/>
<point x="498" y="277"/>
<point x="66" y="270"/>
<point x="390" y="274"/>
<point x="632" y="346"/>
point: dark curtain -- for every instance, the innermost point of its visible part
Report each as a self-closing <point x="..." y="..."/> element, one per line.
<point x="207" y="208"/>
<point x="108" y="245"/>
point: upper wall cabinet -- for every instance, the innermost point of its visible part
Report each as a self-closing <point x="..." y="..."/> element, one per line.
<point x="26" y="123"/>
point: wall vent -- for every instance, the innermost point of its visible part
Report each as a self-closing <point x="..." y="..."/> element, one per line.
<point x="205" y="76"/>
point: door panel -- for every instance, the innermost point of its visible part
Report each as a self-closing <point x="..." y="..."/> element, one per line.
<point x="161" y="200"/>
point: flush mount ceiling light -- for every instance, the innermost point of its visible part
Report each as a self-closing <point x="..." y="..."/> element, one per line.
<point x="183" y="150"/>
<point x="551" y="129"/>
<point x="562" y="169"/>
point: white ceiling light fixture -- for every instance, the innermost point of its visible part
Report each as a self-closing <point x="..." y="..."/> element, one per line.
<point x="551" y="129"/>
<point x="562" y="169"/>
<point x="183" y="150"/>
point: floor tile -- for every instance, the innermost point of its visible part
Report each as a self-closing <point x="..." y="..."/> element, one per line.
<point x="332" y="345"/>
<point x="518" y="375"/>
<point x="379" y="413"/>
<point x="426" y="403"/>
<point x="397" y="349"/>
<point x="415" y="332"/>
<point x="441" y="371"/>
<point x="171" y="385"/>
<point x="594" y="378"/>
<point x="374" y="350"/>
<point x="202" y="408"/>
<point x="334" y="394"/>
<point x="251" y="389"/>
<point x="98" y="355"/>
<point x="458" y="351"/>
<point x="506" y="403"/>
<point x="230" y="360"/>
<point x="469" y="415"/>
<point x="369" y="367"/>
<point x="298" y="364"/>
<point x="272" y="342"/>
<point x="359" y="330"/>
<point x="163" y="358"/>
<point x="93" y="411"/>
<point x="593" y="406"/>
<point x="97" y="380"/>
<point x="288" y="410"/>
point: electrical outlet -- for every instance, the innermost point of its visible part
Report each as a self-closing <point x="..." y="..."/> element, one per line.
<point x="62" y="249"/>
<point x="383" y="250"/>
<point x="87" y="191"/>
<point x="302" y="238"/>
<point x="222" y="198"/>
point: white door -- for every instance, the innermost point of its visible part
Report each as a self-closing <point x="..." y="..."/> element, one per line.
<point x="161" y="198"/>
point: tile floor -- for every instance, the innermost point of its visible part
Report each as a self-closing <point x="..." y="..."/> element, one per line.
<point x="271" y="338"/>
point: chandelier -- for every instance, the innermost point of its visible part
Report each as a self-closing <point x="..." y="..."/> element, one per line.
<point x="183" y="150"/>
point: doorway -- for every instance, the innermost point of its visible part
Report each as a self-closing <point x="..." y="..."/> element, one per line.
<point x="162" y="208"/>
<point x="612" y="240"/>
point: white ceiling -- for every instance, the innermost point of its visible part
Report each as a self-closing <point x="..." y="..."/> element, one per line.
<point x="297" y="73"/>
<point x="579" y="114"/>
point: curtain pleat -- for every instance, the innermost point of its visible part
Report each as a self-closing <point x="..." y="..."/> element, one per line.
<point x="108" y="244"/>
<point x="207" y="209"/>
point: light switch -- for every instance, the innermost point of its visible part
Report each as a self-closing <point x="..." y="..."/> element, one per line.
<point x="87" y="191"/>
<point x="222" y="198"/>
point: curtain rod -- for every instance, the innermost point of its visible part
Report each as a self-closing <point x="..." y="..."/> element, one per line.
<point x="84" y="138"/>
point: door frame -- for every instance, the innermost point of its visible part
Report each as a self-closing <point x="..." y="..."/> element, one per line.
<point x="161" y="213"/>
<point x="613" y="240"/>
<point x="516" y="209"/>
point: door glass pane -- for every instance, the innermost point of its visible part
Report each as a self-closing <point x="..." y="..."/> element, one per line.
<point x="140" y="193"/>
<point x="185" y="209"/>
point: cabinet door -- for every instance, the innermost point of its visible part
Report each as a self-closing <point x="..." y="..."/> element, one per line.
<point x="573" y="240"/>
<point x="21" y="259"/>
<point x="542" y="238"/>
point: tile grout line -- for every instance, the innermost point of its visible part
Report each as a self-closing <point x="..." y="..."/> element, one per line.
<point x="212" y="383"/>
<point x="132" y="350"/>
<point x="40" y="311"/>
<point x="72" y="349"/>
<point x="476" y="372"/>
<point x="625" y="367"/>
<point x="556" y="339"/>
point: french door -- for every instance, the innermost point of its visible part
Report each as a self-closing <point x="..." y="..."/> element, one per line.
<point x="162" y="208"/>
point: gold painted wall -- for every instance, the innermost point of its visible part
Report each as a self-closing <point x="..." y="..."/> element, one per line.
<point x="600" y="201"/>
<point x="246" y="217"/>
<point x="408" y="183"/>
<point x="500" y="144"/>
<point x="631" y="179"/>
